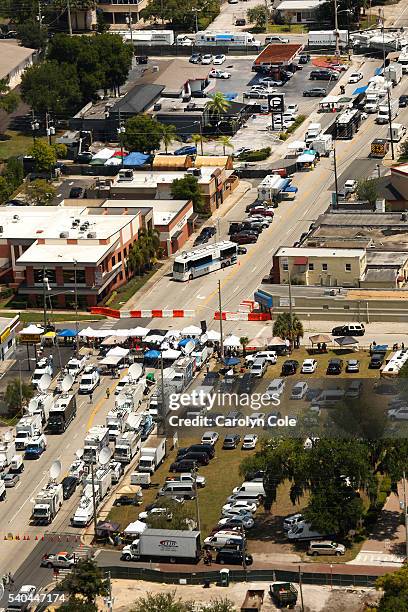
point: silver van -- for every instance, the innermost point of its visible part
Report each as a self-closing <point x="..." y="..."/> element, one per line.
<point x="247" y="496"/>
<point x="325" y="547"/>
<point x="354" y="390"/>
<point x="329" y="397"/>
<point x="258" y="368"/>
<point x="179" y="489"/>
<point x="256" y="488"/>
<point x="222" y="540"/>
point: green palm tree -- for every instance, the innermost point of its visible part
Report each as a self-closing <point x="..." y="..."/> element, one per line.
<point x="135" y="260"/>
<point x="244" y="342"/>
<point x="168" y="135"/>
<point x="218" y="105"/>
<point x="287" y="326"/>
<point x="226" y="143"/>
<point x="198" y="138"/>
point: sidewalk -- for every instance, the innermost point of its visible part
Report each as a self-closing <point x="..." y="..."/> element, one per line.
<point x="135" y="301"/>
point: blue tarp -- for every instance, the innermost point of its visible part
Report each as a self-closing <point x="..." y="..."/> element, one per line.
<point x="152" y="354"/>
<point x="378" y="71"/>
<point x="184" y="341"/>
<point x="66" y="333"/>
<point x="231" y="95"/>
<point x="360" y="90"/>
<point x="136" y="159"/>
<point x="290" y="189"/>
<point x="231" y="361"/>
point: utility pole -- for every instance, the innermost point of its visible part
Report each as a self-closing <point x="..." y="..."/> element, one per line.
<point x="93" y="495"/>
<point x="336" y="186"/>
<point x="196" y="501"/>
<point x="220" y="309"/>
<point x="388" y="89"/>
<point x="163" y="395"/>
<point x="49" y="129"/>
<point x="39" y="14"/>
<point x="76" y="308"/>
<point x="69" y="17"/>
<point x="110" y="600"/>
<point x="290" y="308"/>
<point x="405" y="513"/>
<point x="336" y="29"/>
<point x="266" y="16"/>
<point x="130" y="23"/>
<point x="302" y="607"/>
<point x="45" y="282"/>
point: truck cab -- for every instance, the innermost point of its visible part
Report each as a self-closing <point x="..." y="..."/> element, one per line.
<point x="89" y="380"/>
<point x="35" y="447"/>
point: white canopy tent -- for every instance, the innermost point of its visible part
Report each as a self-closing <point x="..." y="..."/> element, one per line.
<point x="191" y="330"/>
<point x="32" y="330"/>
<point x="135" y="528"/>
<point x="232" y="341"/>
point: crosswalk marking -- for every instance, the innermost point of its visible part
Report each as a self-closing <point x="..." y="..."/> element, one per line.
<point x="82" y="552"/>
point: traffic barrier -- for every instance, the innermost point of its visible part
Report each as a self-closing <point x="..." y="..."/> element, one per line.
<point x="242" y="316"/>
<point x="150" y="313"/>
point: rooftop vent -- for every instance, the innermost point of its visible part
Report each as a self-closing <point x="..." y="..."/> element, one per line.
<point x="91" y="235"/>
<point x="64" y="234"/>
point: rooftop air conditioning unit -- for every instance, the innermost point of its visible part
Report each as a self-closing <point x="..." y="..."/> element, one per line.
<point x="64" y="234"/>
<point x="16" y="218"/>
<point x="157" y="106"/>
<point x="91" y="235"/>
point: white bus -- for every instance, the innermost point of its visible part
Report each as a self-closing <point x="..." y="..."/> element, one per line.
<point x="230" y="39"/>
<point x="191" y="264"/>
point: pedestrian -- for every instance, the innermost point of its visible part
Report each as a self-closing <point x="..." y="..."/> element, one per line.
<point x="90" y="397"/>
<point x="107" y="393"/>
<point x="402" y="346"/>
<point x="208" y="368"/>
<point x="10" y="581"/>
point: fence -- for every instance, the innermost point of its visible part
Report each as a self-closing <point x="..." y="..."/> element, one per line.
<point x="240" y="575"/>
<point x="186" y="51"/>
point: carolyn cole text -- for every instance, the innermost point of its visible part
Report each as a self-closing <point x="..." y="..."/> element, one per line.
<point x="220" y="420"/>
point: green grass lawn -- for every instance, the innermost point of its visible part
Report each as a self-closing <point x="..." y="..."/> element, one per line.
<point x="15" y="143"/>
<point x="296" y="28"/>
<point x="27" y="316"/>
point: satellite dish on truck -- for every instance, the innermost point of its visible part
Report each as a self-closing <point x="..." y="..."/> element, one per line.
<point x="189" y="347"/>
<point x="104" y="455"/>
<point x="79" y="453"/>
<point x="121" y="399"/>
<point x="67" y="383"/>
<point x="55" y="470"/>
<point x="32" y="405"/>
<point x="44" y="382"/>
<point x="135" y="371"/>
<point x="8" y="436"/>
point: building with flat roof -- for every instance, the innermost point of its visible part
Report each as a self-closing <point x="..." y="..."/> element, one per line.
<point x="69" y="244"/>
<point x="298" y="11"/>
<point x="13" y="61"/>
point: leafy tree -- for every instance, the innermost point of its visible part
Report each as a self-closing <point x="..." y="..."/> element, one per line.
<point x="218" y="105"/>
<point x="14" y="172"/>
<point x="5" y="190"/>
<point x="219" y="604"/>
<point x="367" y="190"/>
<point x="19" y="12"/>
<point x="347" y="12"/>
<point x="60" y="150"/>
<point x="159" y="602"/>
<point x="51" y="87"/>
<point x="187" y="188"/>
<point x="102" y="25"/>
<point x="395" y="588"/>
<point x="403" y="150"/>
<point x="136" y="260"/>
<point x="86" y="581"/>
<point x="75" y="606"/>
<point x="44" y="156"/>
<point x="169" y="135"/>
<point x="143" y="133"/>
<point x="284" y="327"/>
<point x="39" y="192"/>
<point x="10" y="102"/>
<point x="116" y="60"/>
<point x="226" y="143"/>
<point x="257" y="16"/>
<point x="244" y="342"/>
<point x="33" y="35"/>
<point x="17" y="395"/>
<point x="181" y="14"/>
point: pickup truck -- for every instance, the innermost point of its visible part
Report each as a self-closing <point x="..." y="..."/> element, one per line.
<point x="187" y="478"/>
<point x="62" y="560"/>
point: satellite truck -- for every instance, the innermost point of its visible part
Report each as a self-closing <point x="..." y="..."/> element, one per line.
<point x="64" y="409"/>
<point x="49" y="499"/>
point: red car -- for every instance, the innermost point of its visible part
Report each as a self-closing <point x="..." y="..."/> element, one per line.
<point x="244" y="238"/>
<point x="261" y="210"/>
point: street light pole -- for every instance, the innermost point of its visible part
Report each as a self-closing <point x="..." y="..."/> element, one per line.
<point x="336" y="29"/>
<point x="405" y="514"/>
<point x="388" y="89"/>
<point x="336" y="186"/>
<point x="196" y="501"/>
<point x="45" y="281"/>
<point x="220" y="311"/>
<point x="93" y="496"/>
<point x="76" y="308"/>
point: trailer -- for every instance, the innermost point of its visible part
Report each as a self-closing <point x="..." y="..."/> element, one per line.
<point x="27" y="428"/>
<point x="47" y="504"/>
<point x="102" y="480"/>
<point x="327" y="38"/>
<point x="253" y="600"/>
<point x="283" y="594"/>
<point x="166" y="544"/>
<point x="152" y="456"/>
<point x="62" y="413"/>
<point x="393" y="73"/>
<point x="95" y="440"/>
<point x="228" y="39"/>
<point x="127" y="446"/>
<point x="149" y="37"/>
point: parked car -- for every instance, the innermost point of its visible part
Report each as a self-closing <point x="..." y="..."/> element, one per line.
<point x="324" y="75"/>
<point x="183" y="465"/>
<point x="244" y="238"/>
<point x="231" y="441"/>
<point x="229" y="522"/>
<point x="242" y="250"/>
<point x="309" y="366"/>
<point x="261" y="210"/>
<point x="351" y="329"/>
<point x="403" y="101"/>
<point x="299" y="390"/>
<point x="240" y="21"/>
<point x="352" y="366"/>
<point x="289" y="367"/>
<point x="275" y="388"/>
<point x="269" y="356"/>
<point x="250" y="507"/>
<point x="219" y="59"/>
<point x="326" y="548"/>
<point x="76" y="192"/>
<point x="292" y="520"/>
<point x="200" y="458"/>
<point x="207" y="59"/>
<point x="249" y="442"/>
<point x="259" y="367"/>
<point x="187" y="150"/>
<point x="304" y="58"/>
<point x="233" y="557"/>
<point x="292" y="109"/>
<point x="376" y="361"/>
<point x="126" y="500"/>
<point x="396" y="414"/>
<point x="355" y="77"/>
<point x="315" y="92"/>
<point x="195" y="58"/>
<point x="335" y="366"/>
<point x="69" y="485"/>
<point x="219" y="74"/>
<point x="280" y="40"/>
<point x="210" y="437"/>
<point x="10" y="480"/>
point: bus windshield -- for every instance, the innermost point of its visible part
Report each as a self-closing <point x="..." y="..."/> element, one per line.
<point x="179" y="267"/>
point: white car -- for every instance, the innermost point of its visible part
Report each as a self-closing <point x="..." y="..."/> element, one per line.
<point x="244" y="504"/>
<point x="209" y="437"/>
<point x="309" y="366"/>
<point x="299" y="390"/>
<point x="292" y="109"/>
<point x="355" y="77"/>
<point x="233" y="512"/>
<point x="246" y="521"/>
<point x="249" y="442"/>
<point x="219" y="59"/>
<point x="207" y="59"/>
<point x="276" y="40"/>
<point x="275" y="388"/>
<point x="291" y="521"/>
<point x="270" y="82"/>
<point x="158" y="511"/>
<point x="350" y="186"/>
<point x="264" y="220"/>
<point x="398" y="414"/>
<point x="269" y="356"/>
<point x="219" y="74"/>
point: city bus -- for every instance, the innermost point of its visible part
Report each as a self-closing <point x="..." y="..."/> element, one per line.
<point x="191" y="264"/>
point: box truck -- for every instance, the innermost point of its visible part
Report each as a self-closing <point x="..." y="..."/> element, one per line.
<point x="43" y="366"/>
<point x="41" y="404"/>
<point x="127" y="446"/>
<point x="327" y="38"/>
<point x="7" y="452"/>
<point x="168" y="544"/>
<point x="383" y="112"/>
<point x="95" y="440"/>
<point x="397" y="130"/>
<point x="62" y="413"/>
<point x="393" y="73"/>
<point x="323" y="144"/>
<point x="116" y="421"/>
<point x="102" y="480"/>
<point x="313" y="132"/>
<point x="47" y="503"/>
<point x="27" y="428"/>
<point x="90" y="379"/>
<point x="304" y="531"/>
<point x="152" y="456"/>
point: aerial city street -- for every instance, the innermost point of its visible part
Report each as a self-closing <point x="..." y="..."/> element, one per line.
<point x="203" y="306"/>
